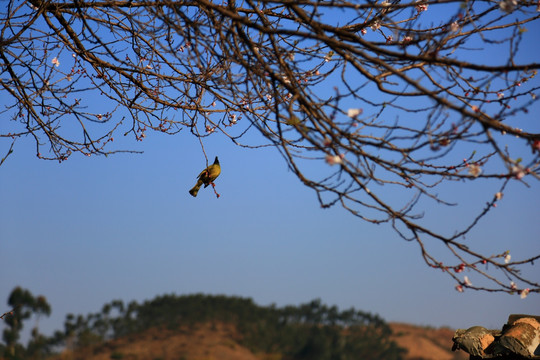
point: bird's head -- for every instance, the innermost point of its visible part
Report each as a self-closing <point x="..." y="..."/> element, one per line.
<point x="216" y="161"/>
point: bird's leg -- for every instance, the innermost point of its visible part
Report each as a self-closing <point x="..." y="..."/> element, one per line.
<point x="214" y="188"/>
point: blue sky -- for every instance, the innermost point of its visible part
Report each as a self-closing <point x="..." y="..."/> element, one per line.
<point x="90" y="230"/>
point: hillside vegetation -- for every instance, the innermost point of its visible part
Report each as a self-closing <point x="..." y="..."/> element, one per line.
<point x="310" y="331"/>
<point x="214" y="327"/>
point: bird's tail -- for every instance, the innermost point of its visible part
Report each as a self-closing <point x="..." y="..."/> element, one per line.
<point x="195" y="190"/>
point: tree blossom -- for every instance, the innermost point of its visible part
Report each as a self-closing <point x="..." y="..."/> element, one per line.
<point x="513" y="285"/>
<point x="508" y="5"/>
<point x="328" y="57"/>
<point x="475" y="170"/>
<point x="421" y="6"/>
<point x="507" y="258"/>
<point x="376" y="25"/>
<point x="406" y="39"/>
<point x="352" y="113"/>
<point x="334" y="159"/>
<point x="466" y="281"/>
<point x="524" y="293"/>
<point x="536" y="145"/>
<point x="518" y="172"/>
<point x="499" y="195"/>
<point x="56" y="62"/>
<point x="454" y="27"/>
<point x="459" y="288"/>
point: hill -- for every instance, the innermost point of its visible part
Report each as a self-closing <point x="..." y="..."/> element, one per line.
<point x="426" y="343"/>
<point x="204" y="327"/>
<point x="223" y="342"/>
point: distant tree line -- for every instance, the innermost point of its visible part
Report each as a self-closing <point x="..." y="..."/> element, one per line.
<point x="309" y="331"/>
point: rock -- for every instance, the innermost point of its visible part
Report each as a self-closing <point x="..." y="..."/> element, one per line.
<point x="474" y="340"/>
<point x="522" y="337"/>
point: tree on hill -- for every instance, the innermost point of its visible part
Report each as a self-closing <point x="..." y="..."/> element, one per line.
<point x="364" y="100"/>
<point x="23" y="305"/>
<point x="295" y="332"/>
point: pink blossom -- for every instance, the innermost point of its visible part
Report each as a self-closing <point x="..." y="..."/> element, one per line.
<point x="56" y="62"/>
<point x="466" y="281"/>
<point x="421" y="6"/>
<point x="334" y="159"/>
<point x="459" y="288"/>
<point x="327" y="142"/>
<point x="406" y="39"/>
<point x="536" y="145"/>
<point x="524" y="293"/>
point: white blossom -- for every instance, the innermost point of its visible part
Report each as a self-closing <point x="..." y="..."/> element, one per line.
<point x="376" y="25"/>
<point x="508" y="5"/>
<point x="475" y="170"/>
<point x="354" y="112"/>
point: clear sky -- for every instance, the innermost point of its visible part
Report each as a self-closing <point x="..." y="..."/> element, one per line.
<point x="91" y="230"/>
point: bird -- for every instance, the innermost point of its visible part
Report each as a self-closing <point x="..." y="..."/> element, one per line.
<point x="206" y="177"/>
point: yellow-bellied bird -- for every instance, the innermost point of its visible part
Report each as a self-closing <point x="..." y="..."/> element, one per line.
<point x="206" y="177"/>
